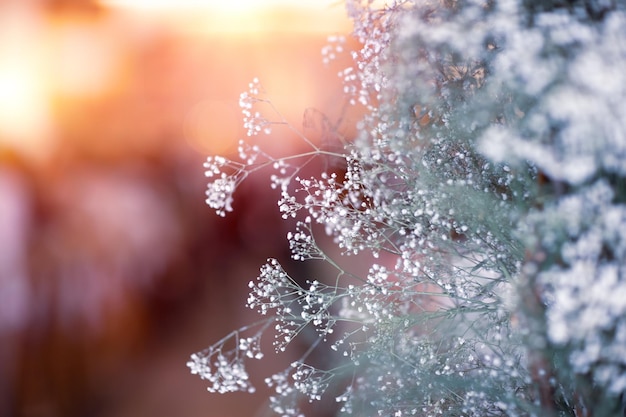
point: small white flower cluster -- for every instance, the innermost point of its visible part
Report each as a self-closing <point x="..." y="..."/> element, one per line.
<point x="294" y="306"/>
<point x="310" y="381"/>
<point x="254" y="122"/>
<point x="281" y="180"/>
<point x="302" y="242"/>
<point x="219" y="193"/>
<point x="342" y="207"/>
<point x="285" y="402"/>
<point x="273" y="289"/>
<point x="225" y="374"/>
<point x="250" y="153"/>
<point x="223" y="367"/>
<point x="298" y="380"/>
<point x="373" y="28"/>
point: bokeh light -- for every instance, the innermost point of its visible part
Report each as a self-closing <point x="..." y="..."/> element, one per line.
<point x="112" y="269"/>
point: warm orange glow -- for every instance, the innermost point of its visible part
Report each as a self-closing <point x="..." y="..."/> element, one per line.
<point x="242" y="16"/>
<point x="25" y="121"/>
<point x="232" y="5"/>
<point x="83" y="59"/>
<point x="45" y="62"/>
<point x="142" y="71"/>
<point x="23" y="109"/>
<point x="106" y="115"/>
<point x="208" y="118"/>
<point x="229" y="6"/>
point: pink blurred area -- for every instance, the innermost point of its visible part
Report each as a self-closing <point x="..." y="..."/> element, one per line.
<point x="112" y="269"/>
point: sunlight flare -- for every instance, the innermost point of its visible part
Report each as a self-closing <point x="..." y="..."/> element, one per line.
<point x="241" y="16"/>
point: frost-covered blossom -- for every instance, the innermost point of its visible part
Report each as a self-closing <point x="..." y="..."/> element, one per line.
<point x="485" y="196"/>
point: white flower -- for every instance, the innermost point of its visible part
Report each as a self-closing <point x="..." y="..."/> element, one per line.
<point x="220" y="194"/>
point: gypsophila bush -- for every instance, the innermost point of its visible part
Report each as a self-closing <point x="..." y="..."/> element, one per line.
<point x="485" y="189"/>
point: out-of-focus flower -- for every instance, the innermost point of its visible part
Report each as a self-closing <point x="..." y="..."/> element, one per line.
<point x="15" y="223"/>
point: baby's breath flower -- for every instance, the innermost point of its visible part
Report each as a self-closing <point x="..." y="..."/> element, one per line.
<point x="219" y="193"/>
<point x="302" y="242"/>
<point x="223" y="366"/>
<point x="253" y="121"/>
<point x="483" y="203"/>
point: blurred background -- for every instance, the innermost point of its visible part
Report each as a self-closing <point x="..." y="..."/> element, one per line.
<point x="112" y="269"/>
